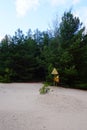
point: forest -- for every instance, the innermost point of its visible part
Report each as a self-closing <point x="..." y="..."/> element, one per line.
<point x="32" y="57"/>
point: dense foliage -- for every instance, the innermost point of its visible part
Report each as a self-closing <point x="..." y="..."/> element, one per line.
<point x="31" y="57"/>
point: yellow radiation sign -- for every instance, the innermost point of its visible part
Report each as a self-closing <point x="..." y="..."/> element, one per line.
<point x="56" y="79"/>
<point x="56" y="76"/>
<point x="54" y="71"/>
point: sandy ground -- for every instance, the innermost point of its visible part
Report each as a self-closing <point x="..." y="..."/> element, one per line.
<point x="23" y="108"/>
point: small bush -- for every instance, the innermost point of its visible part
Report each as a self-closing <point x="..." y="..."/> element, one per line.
<point x="44" y="89"/>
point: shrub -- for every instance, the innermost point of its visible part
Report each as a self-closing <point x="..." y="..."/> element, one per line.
<point x="44" y="88"/>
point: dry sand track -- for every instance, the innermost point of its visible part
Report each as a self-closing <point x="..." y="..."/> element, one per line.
<point x="23" y="108"/>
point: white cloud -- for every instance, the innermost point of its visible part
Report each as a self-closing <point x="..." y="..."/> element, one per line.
<point x="23" y="6"/>
<point x="75" y="2"/>
<point x="57" y="2"/>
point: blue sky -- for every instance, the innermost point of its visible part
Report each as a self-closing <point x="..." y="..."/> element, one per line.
<point x="32" y="14"/>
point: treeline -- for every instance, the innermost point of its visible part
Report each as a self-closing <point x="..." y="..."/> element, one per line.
<point x="32" y="57"/>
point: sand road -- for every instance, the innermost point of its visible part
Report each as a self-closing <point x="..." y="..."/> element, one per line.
<point x="23" y="108"/>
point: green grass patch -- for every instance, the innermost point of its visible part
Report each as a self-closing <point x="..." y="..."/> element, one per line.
<point x="44" y="88"/>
